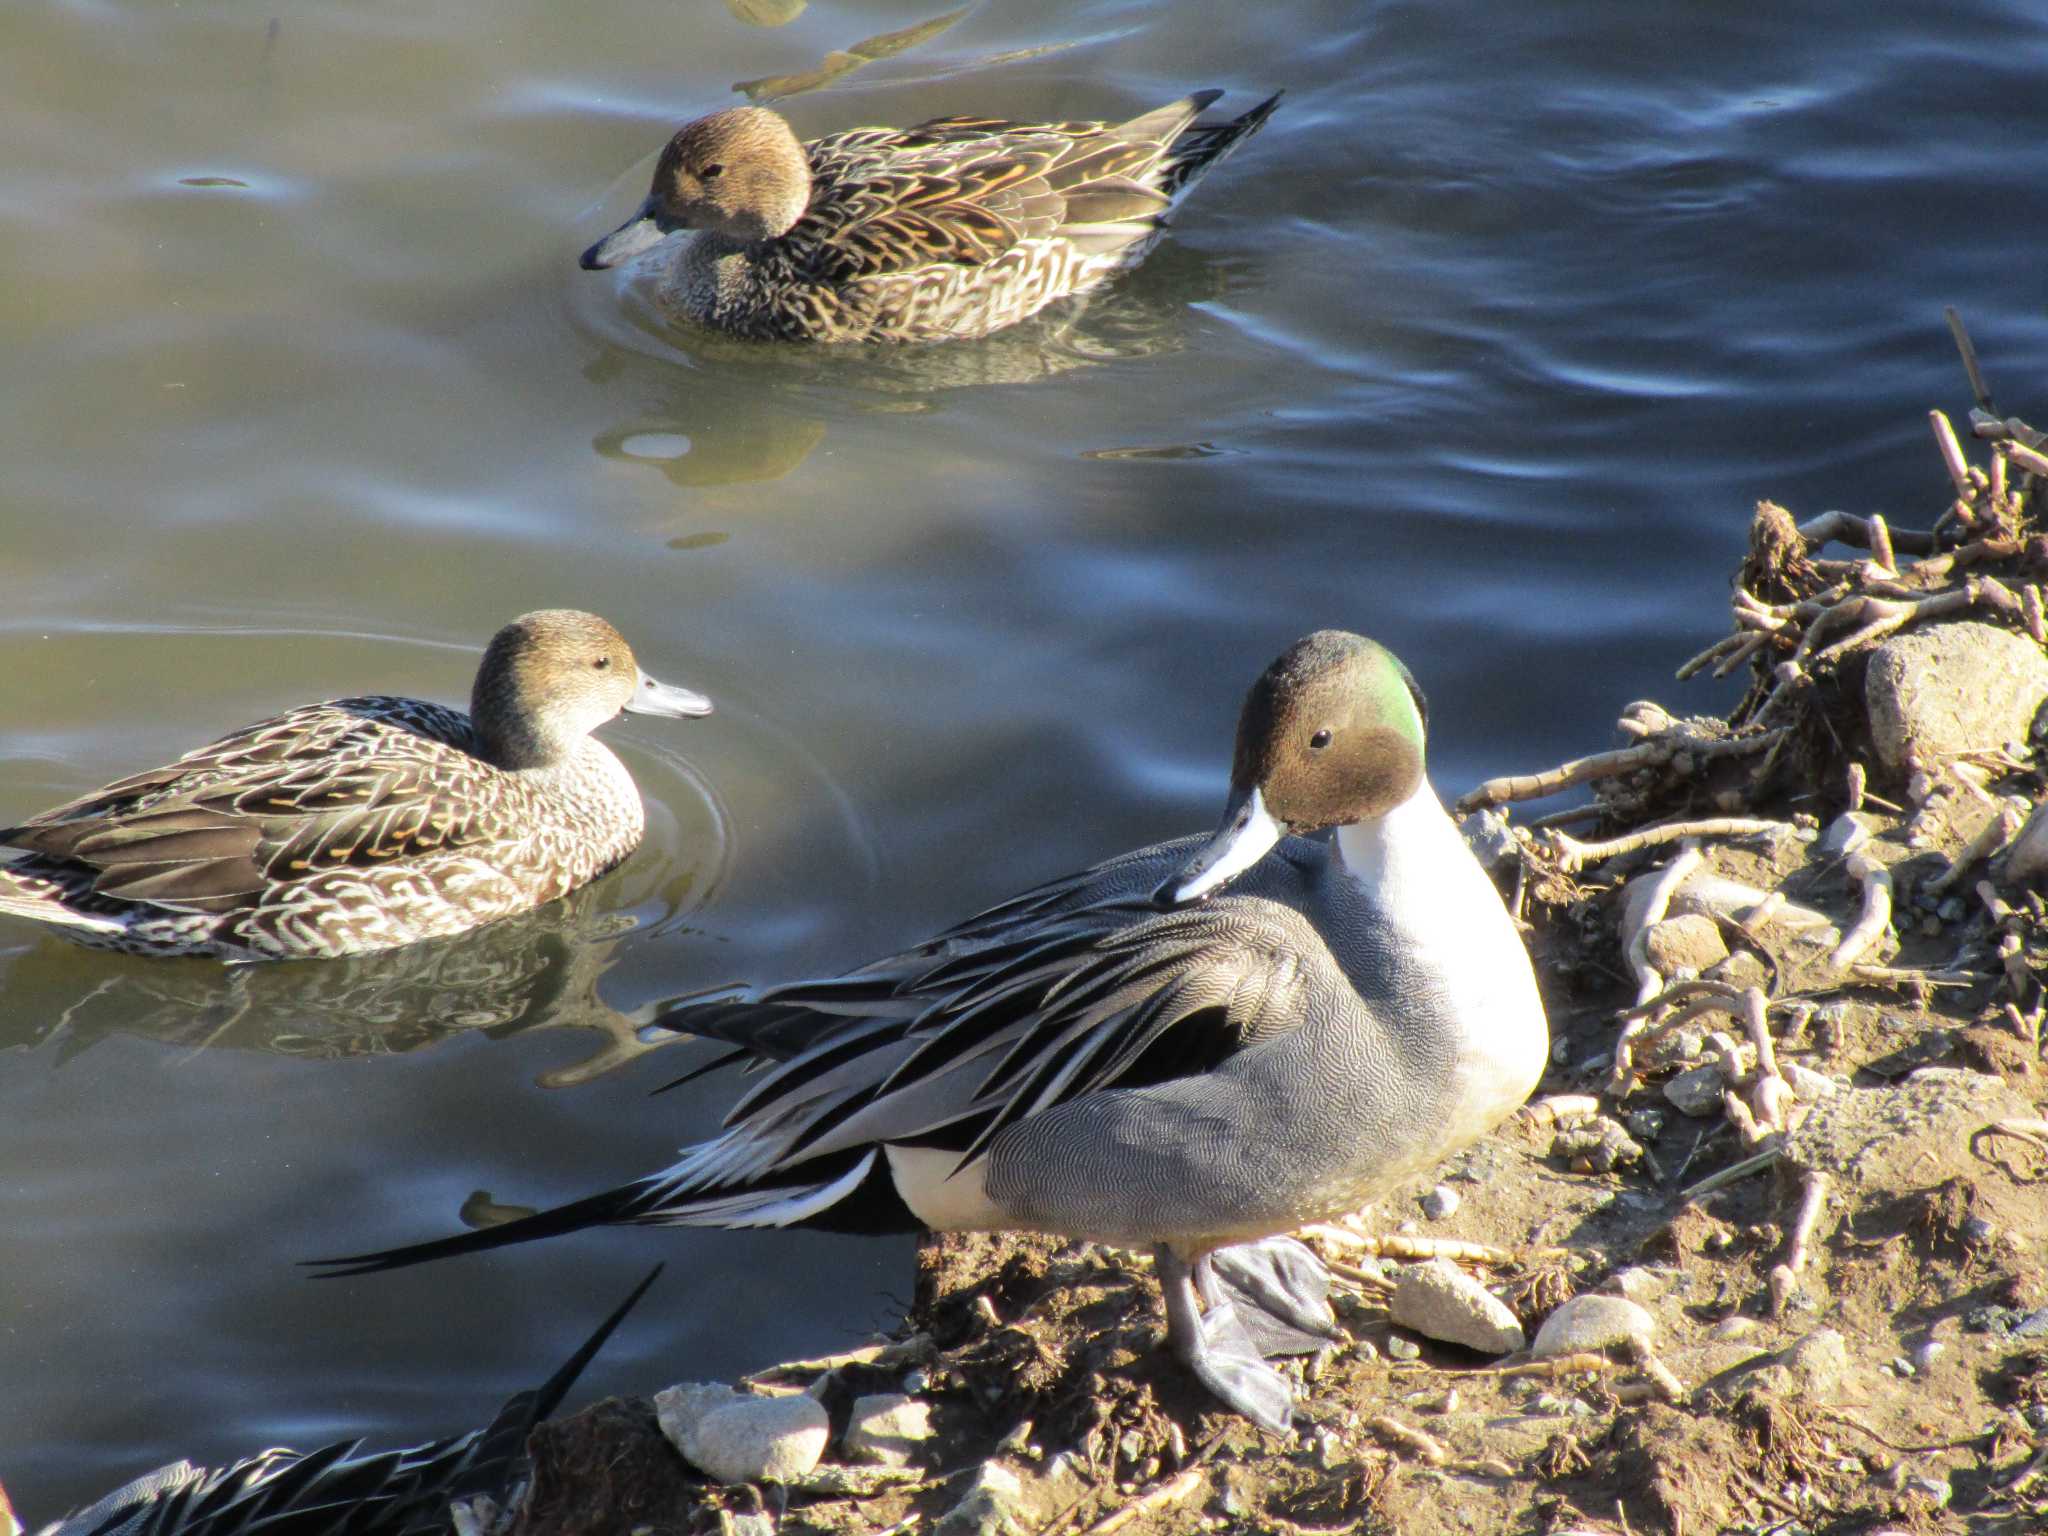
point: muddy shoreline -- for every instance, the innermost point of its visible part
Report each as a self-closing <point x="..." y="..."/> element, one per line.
<point x="1782" y="1198"/>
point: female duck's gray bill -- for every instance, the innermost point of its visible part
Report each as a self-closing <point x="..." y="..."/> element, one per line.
<point x="653" y="698"/>
<point x="1247" y="835"/>
<point x="642" y="232"/>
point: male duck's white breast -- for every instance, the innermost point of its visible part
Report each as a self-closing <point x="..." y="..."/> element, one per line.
<point x="1445" y="912"/>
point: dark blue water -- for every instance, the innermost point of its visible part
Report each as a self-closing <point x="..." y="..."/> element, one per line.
<point x="1487" y="346"/>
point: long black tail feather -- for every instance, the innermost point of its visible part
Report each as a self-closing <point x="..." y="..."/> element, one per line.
<point x="613" y="1207"/>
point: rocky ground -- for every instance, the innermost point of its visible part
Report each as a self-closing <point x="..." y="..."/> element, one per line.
<point x="1768" y="1253"/>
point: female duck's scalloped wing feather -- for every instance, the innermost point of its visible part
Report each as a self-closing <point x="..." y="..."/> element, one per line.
<point x="221" y="850"/>
<point x="961" y="225"/>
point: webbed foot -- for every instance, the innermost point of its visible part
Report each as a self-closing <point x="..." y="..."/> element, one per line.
<point x="1219" y="1350"/>
<point x="1281" y="1290"/>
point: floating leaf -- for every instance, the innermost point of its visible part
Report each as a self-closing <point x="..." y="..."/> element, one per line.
<point x="841" y="62"/>
<point x="766" y="13"/>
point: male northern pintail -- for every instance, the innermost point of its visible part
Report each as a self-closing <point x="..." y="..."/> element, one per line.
<point x="364" y="823"/>
<point x="1196" y="1046"/>
<point x="340" y="1489"/>
<point x="953" y="228"/>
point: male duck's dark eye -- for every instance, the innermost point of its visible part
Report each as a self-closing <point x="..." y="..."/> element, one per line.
<point x="603" y="663"/>
<point x="1320" y="740"/>
<point x="712" y="172"/>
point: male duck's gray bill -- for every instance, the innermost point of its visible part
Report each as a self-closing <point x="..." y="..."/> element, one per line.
<point x="657" y="698"/>
<point x="1247" y="835"/>
<point x="642" y="232"/>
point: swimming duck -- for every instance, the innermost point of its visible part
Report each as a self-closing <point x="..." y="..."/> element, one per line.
<point x="953" y="228"/>
<point x="1194" y="1047"/>
<point x="340" y="1489"/>
<point x="360" y="824"/>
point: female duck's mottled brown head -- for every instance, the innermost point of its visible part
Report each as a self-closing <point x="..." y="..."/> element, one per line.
<point x="739" y="173"/>
<point x="1331" y="735"/>
<point x="550" y="678"/>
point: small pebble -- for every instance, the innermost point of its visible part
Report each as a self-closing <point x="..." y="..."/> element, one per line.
<point x="1399" y="1348"/>
<point x="1845" y="834"/>
<point x="1808" y="1086"/>
<point x="1926" y="1353"/>
<point x="1440" y="1301"/>
<point x="1734" y="1328"/>
<point x="1696" y="1091"/>
<point x="1646" y="1124"/>
<point x="1638" y="1284"/>
<point x="736" y="1438"/>
<point x="888" y="1428"/>
<point x="1440" y="1203"/>
<point x="1591" y="1323"/>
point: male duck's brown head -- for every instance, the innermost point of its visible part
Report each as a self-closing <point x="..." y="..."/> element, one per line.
<point x="1331" y="734"/>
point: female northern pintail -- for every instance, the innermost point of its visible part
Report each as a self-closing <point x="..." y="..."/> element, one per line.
<point x="1196" y="1046"/>
<point x="953" y="228"/>
<point x="360" y="824"/>
<point x="340" y="1489"/>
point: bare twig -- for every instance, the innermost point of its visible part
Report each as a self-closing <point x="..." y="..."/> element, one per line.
<point x="1979" y="390"/>
<point x="1784" y="1280"/>
<point x="1172" y="1491"/>
<point x="1848" y="528"/>
<point x="1989" y="838"/>
<point x="1604" y="765"/>
<point x="1877" y="911"/>
<point x="1574" y="854"/>
<point x="1394" y="1432"/>
<point x="1733" y="1173"/>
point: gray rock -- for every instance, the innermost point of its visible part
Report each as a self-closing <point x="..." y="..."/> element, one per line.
<point x="1807" y="1084"/>
<point x="1952" y="688"/>
<point x="749" y="1525"/>
<point x="1592" y="1323"/>
<point x="734" y="1438"/>
<point x="990" y="1507"/>
<point x="1845" y="834"/>
<point x="1636" y="1283"/>
<point x="1696" y="1091"/>
<point x="1818" y="1364"/>
<point x="1491" y="839"/>
<point x="1646" y="1124"/>
<point x="1441" y="1301"/>
<point x="888" y="1428"/>
<point x="1440" y="1203"/>
<point x="1399" y="1348"/>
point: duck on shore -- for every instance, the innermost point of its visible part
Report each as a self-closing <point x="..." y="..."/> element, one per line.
<point x="362" y="823"/>
<point x="1194" y="1047"/>
<point x="950" y="229"/>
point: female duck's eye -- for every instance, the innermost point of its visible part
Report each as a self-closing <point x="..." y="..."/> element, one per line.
<point x="1320" y="740"/>
<point x="712" y="172"/>
<point x="602" y="663"/>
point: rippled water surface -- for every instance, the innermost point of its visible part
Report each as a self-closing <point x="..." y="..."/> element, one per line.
<point x="1486" y="345"/>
